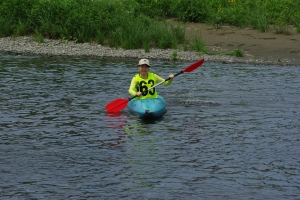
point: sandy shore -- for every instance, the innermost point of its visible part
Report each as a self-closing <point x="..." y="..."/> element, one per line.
<point x="267" y="47"/>
<point x="259" y="48"/>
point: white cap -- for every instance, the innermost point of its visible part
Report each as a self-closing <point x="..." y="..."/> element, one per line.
<point x="144" y="62"/>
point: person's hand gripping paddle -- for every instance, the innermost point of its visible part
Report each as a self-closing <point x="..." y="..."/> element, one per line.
<point x="119" y="104"/>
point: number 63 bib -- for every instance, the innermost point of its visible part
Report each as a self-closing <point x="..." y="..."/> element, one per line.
<point x="143" y="85"/>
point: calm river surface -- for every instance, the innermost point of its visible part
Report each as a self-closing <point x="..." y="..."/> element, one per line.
<point x="231" y="132"/>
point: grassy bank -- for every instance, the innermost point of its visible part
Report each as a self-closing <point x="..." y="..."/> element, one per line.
<point x="264" y="15"/>
<point x="115" y="22"/>
<point x="133" y="24"/>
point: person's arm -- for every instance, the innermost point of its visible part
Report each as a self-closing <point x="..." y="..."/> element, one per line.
<point x="132" y="87"/>
<point x="158" y="79"/>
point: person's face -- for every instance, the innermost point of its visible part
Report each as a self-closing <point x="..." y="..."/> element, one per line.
<point x="143" y="69"/>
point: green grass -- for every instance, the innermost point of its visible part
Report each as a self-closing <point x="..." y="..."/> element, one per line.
<point x="198" y="45"/>
<point x="133" y="24"/>
<point x="113" y="22"/>
<point x="38" y="38"/>
<point x="174" y="55"/>
<point x="237" y="53"/>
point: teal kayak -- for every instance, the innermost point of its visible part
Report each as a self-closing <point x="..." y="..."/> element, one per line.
<point x="148" y="108"/>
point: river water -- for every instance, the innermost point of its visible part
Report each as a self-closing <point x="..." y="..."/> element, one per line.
<point x="231" y="132"/>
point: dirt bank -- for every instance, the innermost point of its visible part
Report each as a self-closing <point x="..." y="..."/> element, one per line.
<point x="264" y="46"/>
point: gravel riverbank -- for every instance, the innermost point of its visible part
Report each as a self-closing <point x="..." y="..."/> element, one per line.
<point x="26" y="45"/>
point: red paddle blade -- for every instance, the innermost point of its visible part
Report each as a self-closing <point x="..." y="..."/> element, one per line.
<point x="194" y="66"/>
<point x="116" y="105"/>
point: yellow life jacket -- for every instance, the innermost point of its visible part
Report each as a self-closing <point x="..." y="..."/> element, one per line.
<point x="143" y="84"/>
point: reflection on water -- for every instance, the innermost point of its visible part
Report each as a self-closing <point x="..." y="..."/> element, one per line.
<point x="231" y="132"/>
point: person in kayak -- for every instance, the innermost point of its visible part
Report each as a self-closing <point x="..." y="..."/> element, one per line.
<point x="144" y="80"/>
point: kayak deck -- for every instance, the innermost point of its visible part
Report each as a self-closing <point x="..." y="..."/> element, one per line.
<point x="148" y="108"/>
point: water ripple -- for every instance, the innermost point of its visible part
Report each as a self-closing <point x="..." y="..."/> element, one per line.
<point x="231" y="132"/>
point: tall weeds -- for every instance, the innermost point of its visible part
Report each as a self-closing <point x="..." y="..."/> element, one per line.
<point x="113" y="21"/>
<point x="134" y="24"/>
<point x="260" y="14"/>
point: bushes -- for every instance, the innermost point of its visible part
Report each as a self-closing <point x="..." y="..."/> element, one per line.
<point x="16" y="10"/>
<point x="138" y="23"/>
<point x="14" y="16"/>
<point x="120" y="23"/>
<point x="260" y="14"/>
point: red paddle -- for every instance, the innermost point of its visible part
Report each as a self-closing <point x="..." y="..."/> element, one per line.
<point x="119" y="104"/>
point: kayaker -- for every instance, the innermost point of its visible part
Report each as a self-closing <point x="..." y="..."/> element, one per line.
<point x="144" y="80"/>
